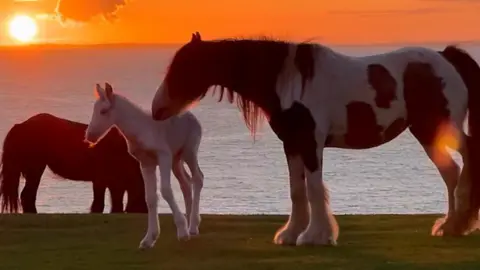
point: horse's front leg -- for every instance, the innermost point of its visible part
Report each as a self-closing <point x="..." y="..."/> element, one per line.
<point x="151" y="198"/>
<point x="298" y="220"/>
<point x="165" y="162"/>
<point x="322" y="228"/>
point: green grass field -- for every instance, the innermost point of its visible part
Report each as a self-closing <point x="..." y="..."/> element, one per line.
<point x="91" y="242"/>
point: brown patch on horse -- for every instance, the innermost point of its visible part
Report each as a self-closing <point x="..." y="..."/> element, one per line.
<point x="427" y="106"/>
<point x="305" y="63"/>
<point x="363" y="130"/>
<point x="392" y="131"/>
<point x="295" y="127"/>
<point x="384" y="85"/>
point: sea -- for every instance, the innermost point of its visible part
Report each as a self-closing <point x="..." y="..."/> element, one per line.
<point x="242" y="175"/>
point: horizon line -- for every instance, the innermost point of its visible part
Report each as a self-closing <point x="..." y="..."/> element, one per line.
<point x="178" y="44"/>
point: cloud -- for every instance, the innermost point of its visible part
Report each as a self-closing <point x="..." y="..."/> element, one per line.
<point x="86" y="10"/>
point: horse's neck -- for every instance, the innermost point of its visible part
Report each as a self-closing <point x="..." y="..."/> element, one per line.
<point x="130" y="119"/>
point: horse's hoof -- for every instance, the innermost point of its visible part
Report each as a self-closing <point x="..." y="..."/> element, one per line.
<point x="321" y="237"/>
<point x="285" y="237"/>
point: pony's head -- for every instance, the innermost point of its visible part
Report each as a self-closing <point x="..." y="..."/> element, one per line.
<point x="185" y="82"/>
<point x="103" y="117"/>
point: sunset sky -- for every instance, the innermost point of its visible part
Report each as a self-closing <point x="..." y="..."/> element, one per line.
<point x="161" y="21"/>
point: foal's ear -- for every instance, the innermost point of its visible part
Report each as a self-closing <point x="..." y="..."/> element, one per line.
<point x="99" y="92"/>
<point x="109" y="91"/>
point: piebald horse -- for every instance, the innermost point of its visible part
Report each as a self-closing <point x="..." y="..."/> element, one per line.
<point x="315" y="97"/>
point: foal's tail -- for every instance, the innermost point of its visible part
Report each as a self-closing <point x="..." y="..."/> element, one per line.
<point x="469" y="70"/>
<point x="10" y="172"/>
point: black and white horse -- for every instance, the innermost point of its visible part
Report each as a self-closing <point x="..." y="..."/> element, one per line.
<point x="315" y="97"/>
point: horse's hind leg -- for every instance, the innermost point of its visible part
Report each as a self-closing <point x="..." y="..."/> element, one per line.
<point x="98" y="203"/>
<point x="29" y="192"/>
<point x="197" y="180"/>
<point x="446" y="166"/>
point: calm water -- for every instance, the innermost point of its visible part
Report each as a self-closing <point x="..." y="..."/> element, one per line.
<point x="240" y="176"/>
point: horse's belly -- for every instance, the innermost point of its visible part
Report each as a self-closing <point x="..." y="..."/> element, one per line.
<point x="360" y="125"/>
<point x="79" y="168"/>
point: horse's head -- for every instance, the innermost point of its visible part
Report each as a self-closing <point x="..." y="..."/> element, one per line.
<point x="186" y="80"/>
<point x="102" y="118"/>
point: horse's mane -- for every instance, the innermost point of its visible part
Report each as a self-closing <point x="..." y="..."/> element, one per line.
<point x="252" y="113"/>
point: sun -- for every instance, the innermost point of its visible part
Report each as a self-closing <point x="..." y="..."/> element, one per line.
<point x="23" y="28"/>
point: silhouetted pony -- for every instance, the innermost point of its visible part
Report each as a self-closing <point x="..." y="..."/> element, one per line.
<point x="46" y="140"/>
<point x="315" y="97"/>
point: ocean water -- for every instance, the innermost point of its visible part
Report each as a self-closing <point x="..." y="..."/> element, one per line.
<point x="241" y="176"/>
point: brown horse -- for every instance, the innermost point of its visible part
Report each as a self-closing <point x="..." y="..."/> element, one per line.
<point x="46" y="140"/>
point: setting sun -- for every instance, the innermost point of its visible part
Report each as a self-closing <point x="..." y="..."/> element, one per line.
<point x="23" y="28"/>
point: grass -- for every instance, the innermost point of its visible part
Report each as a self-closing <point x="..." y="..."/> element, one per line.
<point x="226" y="242"/>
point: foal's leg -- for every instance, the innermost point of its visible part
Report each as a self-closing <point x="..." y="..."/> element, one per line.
<point x="151" y="198"/>
<point x="197" y="180"/>
<point x="322" y="228"/>
<point x="298" y="220"/>
<point x="185" y="185"/>
<point x="165" y="162"/>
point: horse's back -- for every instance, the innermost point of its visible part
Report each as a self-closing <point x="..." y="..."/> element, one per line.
<point x="376" y="99"/>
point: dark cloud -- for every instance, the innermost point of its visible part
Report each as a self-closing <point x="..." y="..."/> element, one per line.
<point x="86" y="10"/>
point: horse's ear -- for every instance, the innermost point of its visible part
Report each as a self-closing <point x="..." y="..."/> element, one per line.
<point x="109" y="91"/>
<point x="196" y="37"/>
<point x="98" y="92"/>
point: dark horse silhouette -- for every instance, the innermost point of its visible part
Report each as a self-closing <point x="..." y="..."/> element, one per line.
<point x="46" y="140"/>
<point x="315" y="98"/>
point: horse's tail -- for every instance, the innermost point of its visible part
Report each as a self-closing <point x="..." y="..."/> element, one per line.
<point x="469" y="70"/>
<point x="10" y="172"/>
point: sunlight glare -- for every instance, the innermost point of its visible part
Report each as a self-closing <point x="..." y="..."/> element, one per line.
<point x="446" y="136"/>
<point x="23" y="28"/>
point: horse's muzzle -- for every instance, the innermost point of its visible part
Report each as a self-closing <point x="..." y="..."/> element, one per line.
<point x="160" y="114"/>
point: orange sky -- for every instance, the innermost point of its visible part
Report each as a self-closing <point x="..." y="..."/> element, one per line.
<point x="339" y="21"/>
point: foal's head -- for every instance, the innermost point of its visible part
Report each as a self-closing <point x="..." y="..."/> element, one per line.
<point x="103" y="115"/>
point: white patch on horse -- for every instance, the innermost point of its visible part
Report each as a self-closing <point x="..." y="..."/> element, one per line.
<point x="167" y="144"/>
<point x="289" y="81"/>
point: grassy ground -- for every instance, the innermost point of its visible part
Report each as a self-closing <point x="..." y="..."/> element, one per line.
<point x="226" y="242"/>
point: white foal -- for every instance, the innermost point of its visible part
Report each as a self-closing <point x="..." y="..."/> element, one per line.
<point x="167" y="144"/>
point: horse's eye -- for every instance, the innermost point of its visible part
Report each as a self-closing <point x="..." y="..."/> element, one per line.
<point x="103" y="111"/>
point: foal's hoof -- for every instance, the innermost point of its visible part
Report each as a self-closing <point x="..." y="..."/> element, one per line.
<point x="193" y="231"/>
<point x="184" y="237"/>
<point x="146" y="244"/>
